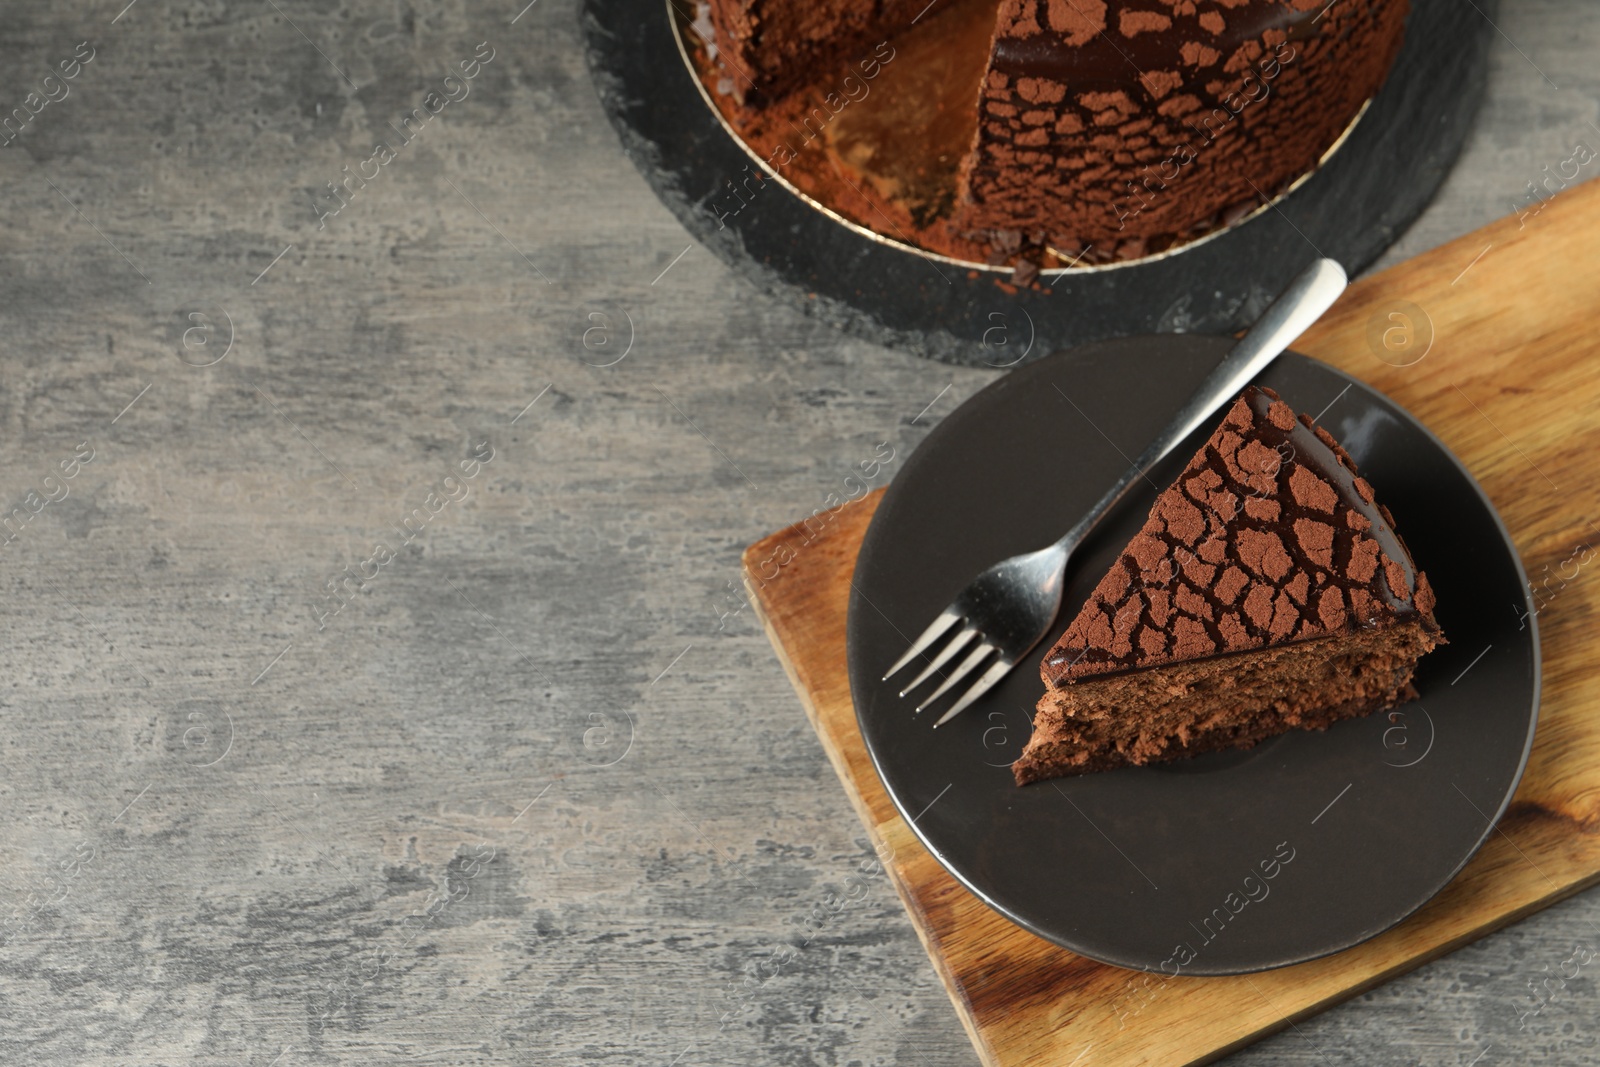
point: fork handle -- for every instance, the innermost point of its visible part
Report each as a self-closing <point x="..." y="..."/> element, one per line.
<point x="1301" y="304"/>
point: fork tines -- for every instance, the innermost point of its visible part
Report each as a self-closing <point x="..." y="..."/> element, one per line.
<point x="963" y="637"/>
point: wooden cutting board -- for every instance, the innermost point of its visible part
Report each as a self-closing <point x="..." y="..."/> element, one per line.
<point x="1509" y="378"/>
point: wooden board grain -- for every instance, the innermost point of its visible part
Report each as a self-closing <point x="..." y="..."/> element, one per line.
<point x="1499" y="358"/>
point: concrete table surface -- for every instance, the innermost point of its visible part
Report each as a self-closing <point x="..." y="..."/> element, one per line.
<point x="376" y="684"/>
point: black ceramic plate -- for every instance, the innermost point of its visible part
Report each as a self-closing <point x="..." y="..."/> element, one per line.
<point x="1226" y="863"/>
<point x="1351" y="209"/>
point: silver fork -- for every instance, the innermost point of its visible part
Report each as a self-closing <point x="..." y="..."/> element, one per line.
<point x="1010" y="607"/>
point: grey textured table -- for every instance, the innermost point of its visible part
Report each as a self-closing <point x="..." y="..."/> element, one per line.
<point x="375" y="686"/>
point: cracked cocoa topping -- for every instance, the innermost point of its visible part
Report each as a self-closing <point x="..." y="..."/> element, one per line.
<point x="1269" y="535"/>
<point x="1266" y="591"/>
<point x="1123" y="127"/>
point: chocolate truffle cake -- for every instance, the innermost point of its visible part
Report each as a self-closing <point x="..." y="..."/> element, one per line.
<point x="1100" y="129"/>
<point x="1267" y="591"/>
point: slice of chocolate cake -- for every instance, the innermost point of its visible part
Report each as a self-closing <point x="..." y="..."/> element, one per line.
<point x="1267" y="591"/>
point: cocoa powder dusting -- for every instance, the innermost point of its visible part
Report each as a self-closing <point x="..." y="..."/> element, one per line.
<point x="1299" y="558"/>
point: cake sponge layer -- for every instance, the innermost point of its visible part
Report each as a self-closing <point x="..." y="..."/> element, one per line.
<point x="1233" y="701"/>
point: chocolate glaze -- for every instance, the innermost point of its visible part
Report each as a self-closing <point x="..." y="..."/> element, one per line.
<point x="1269" y="536"/>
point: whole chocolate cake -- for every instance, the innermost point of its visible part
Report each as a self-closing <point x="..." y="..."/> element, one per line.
<point x="1267" y="591"/>
<point x="1103" y="129"/>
